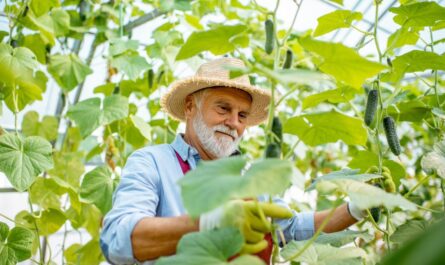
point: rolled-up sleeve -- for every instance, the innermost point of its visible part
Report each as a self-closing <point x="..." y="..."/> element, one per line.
<point x="136" y="197"/>
<point x="299" y="227"/>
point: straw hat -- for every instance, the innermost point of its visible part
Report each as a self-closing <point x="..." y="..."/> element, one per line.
<point x="213" y="74"/>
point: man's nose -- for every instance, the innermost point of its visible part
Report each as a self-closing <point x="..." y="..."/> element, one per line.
<point x="232" y="121"/>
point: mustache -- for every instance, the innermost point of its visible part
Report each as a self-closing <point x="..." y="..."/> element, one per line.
<point x="226" y="130"/>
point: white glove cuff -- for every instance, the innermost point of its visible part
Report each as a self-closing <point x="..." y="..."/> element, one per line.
<point x="210" y="220"/>
<point x="356" y="212"/>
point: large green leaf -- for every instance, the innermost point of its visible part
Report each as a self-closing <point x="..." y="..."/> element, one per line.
<point x="413" y="111"/>
<point x="318" y="254"/>
<point x="335" y="20"/>
<point x="341" y="238"/>
<point x="327" y="127"/>
<point x="132" y="64"/>
<point x="16" y="65"/>
<point x="366" y="159"/>
<point x="217" y="41"/>
<point x="119" y="46"/>
<point x="47" y="128"/>
<point x="424" y="14"/>
<point x="97" y="188"/>
<point x="415" y="61"/>
<point x="46" y="193"/>
<point x="90" y="253"/>
<point x="210" y="247"/>
<point x="365" y="196"/>
<point x="425" y="249"/>
<point x="343" y="94"/>
<point x="15" y="245"/>
<point x="342" y="62"/>
<point x="68" y="167"/>
<point x="401" y="37"/>
<point x="36" y="44"/>
<point x="435" y="160"/>
<point x="68" y="70"/>
<point x="408" y="231"/>
<point x="345" y="173"/>
<point x="48" y="221"/>
<point x="22" y="160"/>
<point x="214" y="183"/>
<point x="89" y="115"/>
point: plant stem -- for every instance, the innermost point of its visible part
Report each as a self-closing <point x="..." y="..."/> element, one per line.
<point x="291" y="151"/>
<point x="374" y="224"/>
<point x="293" y="22"/>
<point x="416" y="186"/>
<point x="442" y="186"/>
<point x="388" y="224"/>
<point x="42" y="256"/>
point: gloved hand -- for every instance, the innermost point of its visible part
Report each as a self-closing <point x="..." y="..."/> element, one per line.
<point x="250" y="217"/>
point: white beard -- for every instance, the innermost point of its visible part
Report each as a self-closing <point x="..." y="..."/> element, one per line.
<point x="222" y="146"/>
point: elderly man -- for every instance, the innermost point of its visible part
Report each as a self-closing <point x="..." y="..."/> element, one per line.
<point x="148" y="218"/>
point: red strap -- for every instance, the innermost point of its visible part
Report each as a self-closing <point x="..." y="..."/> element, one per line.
<point x="266" y="254"/>
<point x="184" y="164"/>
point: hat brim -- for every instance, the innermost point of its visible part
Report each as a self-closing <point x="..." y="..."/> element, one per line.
<point x="173" y="102"/>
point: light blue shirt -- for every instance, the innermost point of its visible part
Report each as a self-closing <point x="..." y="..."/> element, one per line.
<point x="148" y="188"/>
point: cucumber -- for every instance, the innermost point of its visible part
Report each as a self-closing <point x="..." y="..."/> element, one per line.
<point x="391" y="135"/>
<point x="273" y="150"/>
<point x="277" y="130"/>
<point x="375" y="213"/>
<point x="288" y="61"/>
<point x="270" y="38"/>
<point x="371" y="106"/>
<point x="150" y="77"/>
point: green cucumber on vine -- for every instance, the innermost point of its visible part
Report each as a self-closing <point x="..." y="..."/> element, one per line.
<point x="270" y="37"/>
<point x="391" y="135"/>
<point x="371" y="106"/>
<point x="273" y="150"/>
<point x="288" y="60"/>
<point x="150" y="77"/>
<point x="277" y="131"/>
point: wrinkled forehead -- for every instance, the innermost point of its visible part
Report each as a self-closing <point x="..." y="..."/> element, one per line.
<point x="233" y="95"/>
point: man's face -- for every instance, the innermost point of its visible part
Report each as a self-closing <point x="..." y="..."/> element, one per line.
<point x="221" y="119"/>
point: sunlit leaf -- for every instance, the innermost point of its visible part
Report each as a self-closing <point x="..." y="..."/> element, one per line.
<point x="423" y="14"/>
<point x="337" y="95"/>
<point x="220" y="35"/>
<point x="23" y="159"/>
<point x="415" y="61"/>
<point x="342" y="62"/>
<point x="335" y="20"/>
<point x="327" y="127"/>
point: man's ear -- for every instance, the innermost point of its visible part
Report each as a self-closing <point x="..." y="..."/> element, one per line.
<point x="189" y="106"/>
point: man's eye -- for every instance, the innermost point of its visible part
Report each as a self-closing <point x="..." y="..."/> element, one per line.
<point x="222" y="108"/>
<point x="243" y="115"/>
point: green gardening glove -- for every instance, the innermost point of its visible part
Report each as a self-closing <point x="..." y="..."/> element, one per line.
<point x="250" y="217"/>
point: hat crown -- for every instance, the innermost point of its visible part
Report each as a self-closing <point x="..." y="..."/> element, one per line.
<point x="217" y="69"/>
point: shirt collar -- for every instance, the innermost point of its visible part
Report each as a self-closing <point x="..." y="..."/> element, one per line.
<point x="183" y="149"/>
